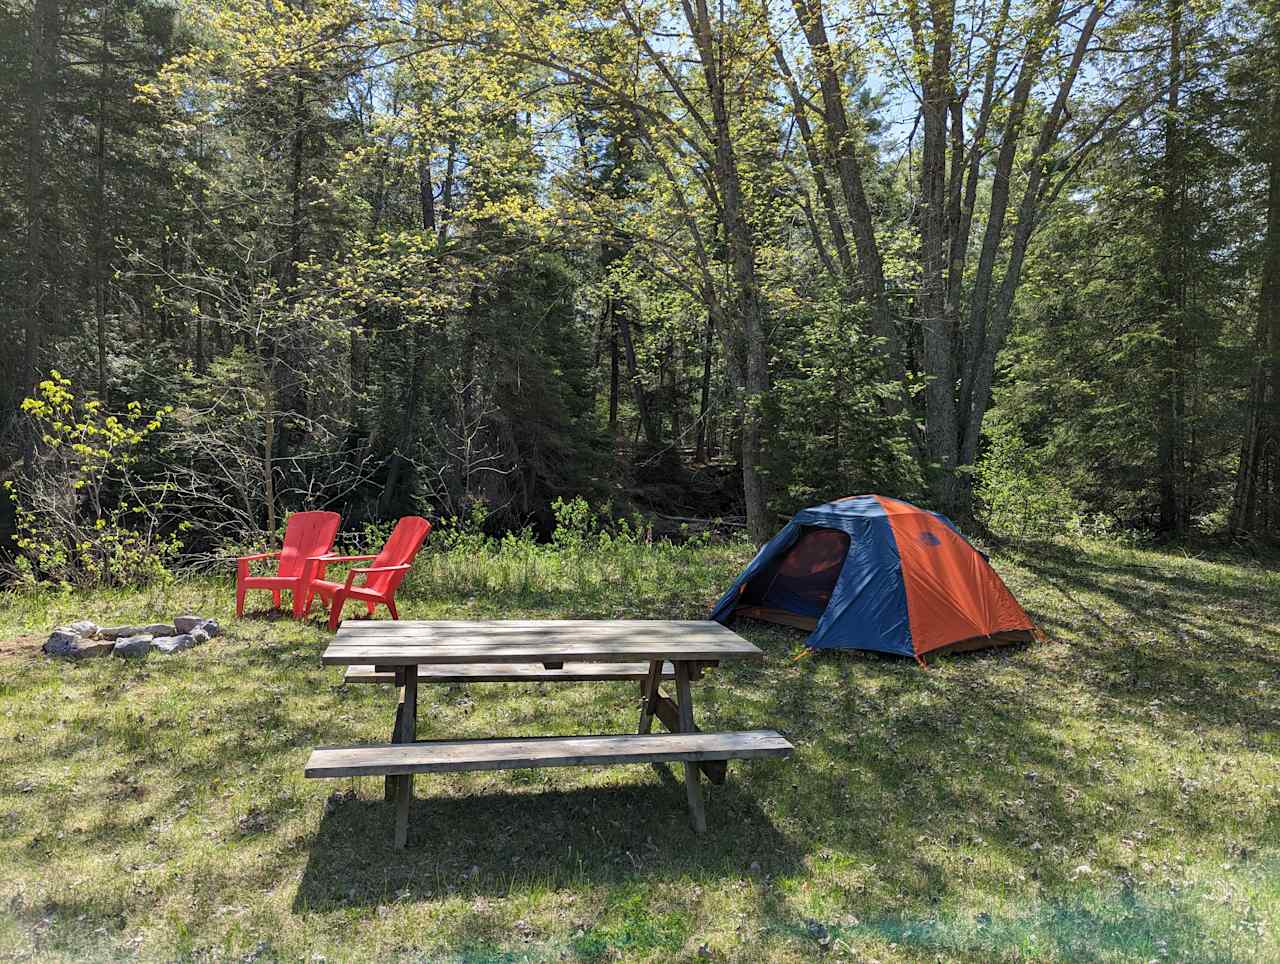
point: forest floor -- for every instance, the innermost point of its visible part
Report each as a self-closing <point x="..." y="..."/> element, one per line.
<point x="1111" y="794"/>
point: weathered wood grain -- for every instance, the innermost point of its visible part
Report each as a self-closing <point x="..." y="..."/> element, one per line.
<point x="692" y="775"/>
<point x="448" y="756"/>
<point x="511" y="673"/>
<point x="408" y="734"/>
<point x="665" y="709"/>
<point x="449" y="642"/>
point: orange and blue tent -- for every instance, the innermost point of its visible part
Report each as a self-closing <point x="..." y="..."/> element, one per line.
<point x="874" y="573"/>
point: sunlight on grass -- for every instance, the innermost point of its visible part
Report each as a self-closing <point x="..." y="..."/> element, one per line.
<point x="1108" y="795"/>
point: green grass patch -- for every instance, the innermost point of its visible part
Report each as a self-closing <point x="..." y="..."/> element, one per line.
<point x="1111" y="794"/>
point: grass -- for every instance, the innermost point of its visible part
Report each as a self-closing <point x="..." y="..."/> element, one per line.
<point x="1108" y="795"/>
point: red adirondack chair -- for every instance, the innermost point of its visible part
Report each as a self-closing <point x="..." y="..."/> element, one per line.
<point x="380" y="580"/>
<point x="306" y="535"/>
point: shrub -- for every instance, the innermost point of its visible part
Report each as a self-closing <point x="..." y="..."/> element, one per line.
<point x="1018" y="494"/>
<point x="83" y="518"/>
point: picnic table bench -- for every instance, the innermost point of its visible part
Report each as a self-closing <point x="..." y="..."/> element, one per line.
<point x="450" y="651"/>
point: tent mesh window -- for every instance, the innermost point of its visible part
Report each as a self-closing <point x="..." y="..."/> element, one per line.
<point x="796" y="587"/>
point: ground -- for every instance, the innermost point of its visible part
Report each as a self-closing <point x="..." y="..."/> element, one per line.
<point x="1109" y="794"/>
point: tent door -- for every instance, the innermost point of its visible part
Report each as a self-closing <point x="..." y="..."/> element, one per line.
<point x="795" y="588"/>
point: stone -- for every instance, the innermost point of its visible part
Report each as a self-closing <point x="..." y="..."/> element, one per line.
<point x="133" y="646"/>
<point x="118" y="632"/>
<point x="61" y="642"/>
<point x="199" y="635"/>
<point x="211" y="627"/>
<point x="158" y="629"/>
<point x="84" y="627"/>
<point x="173" y="644"/>
<point x="94" y="647"/>
<point x="184" y="624"/>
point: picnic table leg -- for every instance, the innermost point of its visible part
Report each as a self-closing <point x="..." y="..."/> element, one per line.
<point x="692" y="771"/>
<point x="651" y="695"/>
<point x="389" y="782"/>
<point x="408" y="733"/>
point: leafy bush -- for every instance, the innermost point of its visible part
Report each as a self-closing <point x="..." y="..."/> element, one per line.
<point x="83" y="518"/>
<point x="1017" y="493"/>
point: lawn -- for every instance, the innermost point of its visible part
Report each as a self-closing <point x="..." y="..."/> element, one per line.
<point x="1110" y="794"/>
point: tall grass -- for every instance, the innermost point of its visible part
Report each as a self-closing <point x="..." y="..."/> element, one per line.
<point x="599" y="567"/>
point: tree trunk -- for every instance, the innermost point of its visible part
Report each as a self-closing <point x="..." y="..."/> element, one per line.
<point x="677" y="423"/>
<point x="268" y="464"/>
<point x="937" y="326"/>
<point x="992" y="322"/>
<point x="841" y="149"/>
<point x="613" y="372"/>
<point x="44" y="51"/>
<point x="1169" y="448"/>
<point x="1257" y="497"/>
<point x="100" y="203"/>
<point x="744" y="330"/>
<point x="704" y="397"/>
<point x="644" y="404"/>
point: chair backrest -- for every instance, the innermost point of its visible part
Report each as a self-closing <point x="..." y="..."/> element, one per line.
<point x="403" y="544"/>
<point x="306" y="534"/>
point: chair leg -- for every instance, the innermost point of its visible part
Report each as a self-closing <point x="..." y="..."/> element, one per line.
<point x="370" y="606"/>
<point x="391" y="604"/>
<point x="275" y="598"/>
<point x="298" y="611"/>
<point x="240" y="591"/>
<point x="335" y="609"/>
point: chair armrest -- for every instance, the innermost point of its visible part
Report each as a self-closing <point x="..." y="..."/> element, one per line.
<point x="242" y="564"/>
<point x="259" y="555"/>
<point x="326" y="559"/>
<point x="351" y="575"/>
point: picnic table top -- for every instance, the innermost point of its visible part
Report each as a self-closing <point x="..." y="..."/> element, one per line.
<point x="426" y="642"/>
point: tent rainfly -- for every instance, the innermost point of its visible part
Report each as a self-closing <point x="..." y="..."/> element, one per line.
<point x="874" y="573"/>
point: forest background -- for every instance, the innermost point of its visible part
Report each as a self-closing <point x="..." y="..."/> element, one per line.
<point x="1018" y="260"/>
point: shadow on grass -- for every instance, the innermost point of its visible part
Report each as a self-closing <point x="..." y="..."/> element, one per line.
<point x="1197" y="644"/>
<point x="498" y="842"/>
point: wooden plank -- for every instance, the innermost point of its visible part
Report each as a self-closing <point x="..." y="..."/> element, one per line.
<point x="408" y="734"/>
<point x="649" y="695"/>
<point x="537" y="628"/>
<point x="665" y="710"/>
<point x="381" y="652"/>
<point x="692" y="775"/>
<point x="449" y="642"/>
<point x="389" y="784"/>
<point x="511" y="673"/>
<point x="450" y="756"/>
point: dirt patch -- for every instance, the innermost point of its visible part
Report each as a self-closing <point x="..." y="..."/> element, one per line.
<point x="20" y="646"/>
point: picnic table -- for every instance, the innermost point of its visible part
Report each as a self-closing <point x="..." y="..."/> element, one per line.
<point x="451" y="651"/>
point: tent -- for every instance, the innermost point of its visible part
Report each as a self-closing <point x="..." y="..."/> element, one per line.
<point x="868" y="572"/>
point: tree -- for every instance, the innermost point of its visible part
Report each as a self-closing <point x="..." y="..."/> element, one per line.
<point x="1256" y="506"/>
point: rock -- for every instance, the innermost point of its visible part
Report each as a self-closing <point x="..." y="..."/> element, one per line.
<point x="132" y="646"/>
<point x="118" y="632"/>
<point x="173" y="644"/>
<point x="61" y="642"/>
<point x="64" y="642"/>
<point x="94" y="647"/>
<point x="84" y="627"/>
<point x="199" y="635"/>
<point x="189" y="624"/>
<point x="184" y="624"/>
<point x="158" y="629"/>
